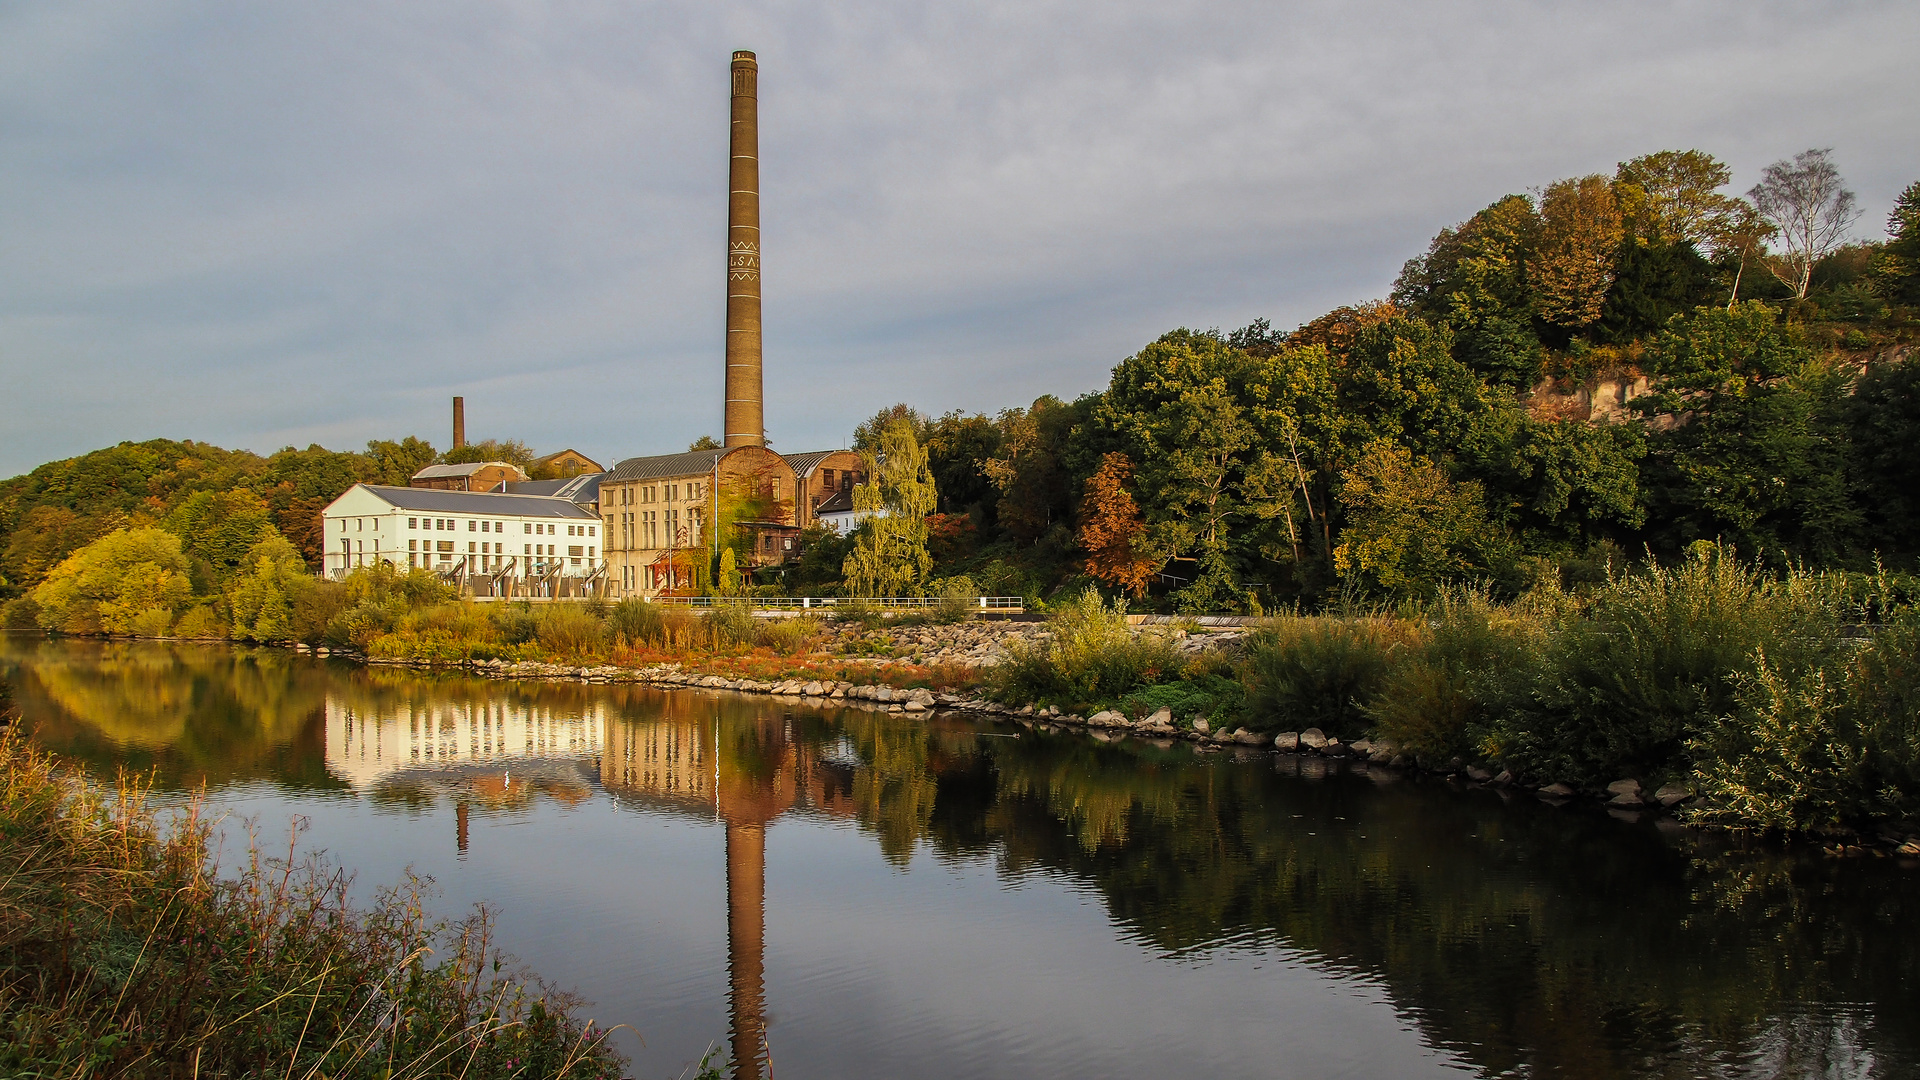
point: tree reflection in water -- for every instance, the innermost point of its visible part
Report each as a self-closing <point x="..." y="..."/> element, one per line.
<point x="1525" y="939"/>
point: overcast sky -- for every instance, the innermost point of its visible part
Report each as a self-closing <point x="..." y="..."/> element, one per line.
<point x="270" y="224"/>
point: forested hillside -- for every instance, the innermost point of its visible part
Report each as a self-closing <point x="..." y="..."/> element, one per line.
<point x="1617" y="365"/>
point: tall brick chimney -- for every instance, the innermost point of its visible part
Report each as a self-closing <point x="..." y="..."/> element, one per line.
<point x="459" y="422"/>
<point x="745" y="421"/>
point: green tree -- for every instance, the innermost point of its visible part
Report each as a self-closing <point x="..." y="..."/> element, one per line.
<point x="1409" y="530"/>
<point x="704" y="442"/>
<point x="1897" y="266"/>
<point x="889" y="556"/>
<point x="1672" y="197"/>
<point x="1883" y="427"/>
<point x="220" y="528"/>
<point x="1473" y="278"/>
<point x="268" y="591"/>
<point x="129" y="577"/>
<point x="394" y="463"/>
<point x="509" y="450"/>
<point x="1748" y="446"/>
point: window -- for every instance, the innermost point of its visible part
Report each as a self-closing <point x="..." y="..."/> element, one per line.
<point x="826" y="475"/>
<point x="589" y="551"/>
<point x="525" y="527"/>
<point x="472" y="525"/>
<point x="591" y="530"/>
<point x="413" y="545"/>
<point x="526" y="549"/>
<point x="413" y="523"/>
<point x="470" y="547"/>
<point x="486" y="526"/>
<point x="499" y="526"/>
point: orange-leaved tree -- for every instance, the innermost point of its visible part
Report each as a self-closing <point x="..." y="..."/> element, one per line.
<point x="1111" y="528"/>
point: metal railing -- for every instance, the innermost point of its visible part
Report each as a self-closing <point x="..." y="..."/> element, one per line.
<point x="1010" y="605"/>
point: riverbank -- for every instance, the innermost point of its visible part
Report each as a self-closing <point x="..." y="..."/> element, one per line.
<point x="124" y="953"/>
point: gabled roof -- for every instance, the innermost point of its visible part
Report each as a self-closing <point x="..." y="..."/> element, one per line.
<point x="584" y="488"/>
<point x="840" y="502"/>
<point x="557" y="454"/>
<point x="695" y="463"/>
<point x="803" y="463"/>
<point x="432" y="501"/>
<point x="465" y="468"/>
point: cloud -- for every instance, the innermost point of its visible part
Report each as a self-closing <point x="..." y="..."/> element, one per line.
<point x="260" y="225"/>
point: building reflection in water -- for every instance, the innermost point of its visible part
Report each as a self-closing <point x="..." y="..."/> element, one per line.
<point x="745" y="769"/>
<point x="371" y="742"/>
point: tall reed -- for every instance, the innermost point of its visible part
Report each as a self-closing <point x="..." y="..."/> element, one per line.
<point x="123" y="954"/>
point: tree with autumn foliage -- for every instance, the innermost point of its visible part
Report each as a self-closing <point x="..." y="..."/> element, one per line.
<point x="1572" y="266"/>
<point x="1111" y="529"/>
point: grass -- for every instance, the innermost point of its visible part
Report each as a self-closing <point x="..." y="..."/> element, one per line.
<point x="123" y="954"/>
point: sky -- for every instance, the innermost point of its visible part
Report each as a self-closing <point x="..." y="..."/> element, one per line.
<point x="262" y="225"/>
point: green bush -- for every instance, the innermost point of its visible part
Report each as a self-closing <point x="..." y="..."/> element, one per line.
<point x="1321" y="672"/>
<point x="1447" y="687"/>
<point x="792" y="636"/>
<point x="959" y="600"/>
<point x="1822" y="748"/>
<point x="731" y="624"/>
<point x="516" y="622"/>
<point x="1654" y="661"/>
<point x="1091" y="658"/>
<point x="638" y="621"/>
<point x="570" y="630"/>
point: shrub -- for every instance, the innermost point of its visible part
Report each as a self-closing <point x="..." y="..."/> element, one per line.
<point x="1448" y="687"/>
<point x="1322" y="672"/>
<point x="20" y="613"/>
<point x="731" y="624"/>
<point x="1091" y="657"/>
<point x="792" y="636"/>
<point x="104" y="586"/>
<point x="638" y="621"/>
<point x="516" y="622"/>
<point x="1821" y="748"/>
<point x="959" y="600"/>
<point x="1655" y="660"/>
<point x="569" y="630"/>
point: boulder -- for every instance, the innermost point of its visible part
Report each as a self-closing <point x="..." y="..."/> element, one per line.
<point x="1627" y="800"/>
<point x="1201" y="727"/>
<point x="1287" y="741"/>
<point x="1362" y="747"/>
<point x="1161" y="717"/>
<point x="1313" y="739"/>
<point x="813" y="689"/>
<point x="1335" y="749"/>
<point x="1558" y="791"/>
<point x="1505" y="777"/>
<point x="1624" y="787"/>
<point x="883" y="693"/>
<point x="914" y="706"/>
<point x="1105" y="718"/>
<point x="1478" y="775"/>
<point x="1672" y="795"/>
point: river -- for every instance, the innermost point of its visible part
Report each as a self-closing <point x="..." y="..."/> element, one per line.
<point x="839" y="893"/>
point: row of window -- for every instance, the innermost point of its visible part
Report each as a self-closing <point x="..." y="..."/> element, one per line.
<point x="527" y="527"/>
<point x="445" y="547"/>
<point x="652" y="493"/>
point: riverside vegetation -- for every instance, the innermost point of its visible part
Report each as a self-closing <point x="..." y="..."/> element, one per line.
<point x="1442" y="483"/>
<point x="123" y="953"/>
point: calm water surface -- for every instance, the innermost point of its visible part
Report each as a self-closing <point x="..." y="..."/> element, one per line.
<point x="843" y="894"/>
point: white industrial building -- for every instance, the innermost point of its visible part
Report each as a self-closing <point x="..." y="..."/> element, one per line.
<point x="490" y="544"/>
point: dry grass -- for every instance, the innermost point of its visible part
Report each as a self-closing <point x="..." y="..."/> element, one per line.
<point x="122" y="954"/>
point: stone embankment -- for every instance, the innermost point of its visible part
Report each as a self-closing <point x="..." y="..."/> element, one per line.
<point x="1309" y="750"/>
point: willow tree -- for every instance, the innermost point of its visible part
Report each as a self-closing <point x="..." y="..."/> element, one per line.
<point x="889" y="556"/>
